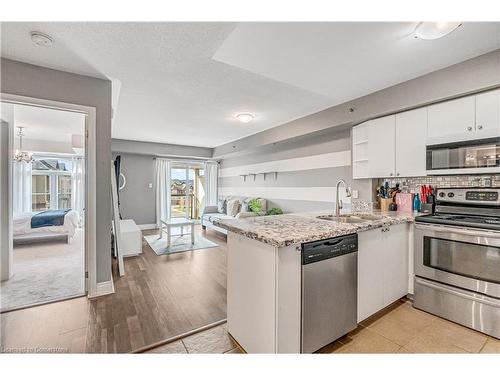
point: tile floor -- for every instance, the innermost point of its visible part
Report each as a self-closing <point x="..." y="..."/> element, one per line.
<point x="398" y="329"/>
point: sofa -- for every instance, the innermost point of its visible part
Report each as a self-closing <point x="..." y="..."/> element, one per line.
<point x="230" y="208"/>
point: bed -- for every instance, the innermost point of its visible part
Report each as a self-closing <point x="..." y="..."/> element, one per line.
<point x="24" y="233"/>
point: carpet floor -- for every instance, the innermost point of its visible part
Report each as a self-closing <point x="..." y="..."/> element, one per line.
<point x="44" y="273"/>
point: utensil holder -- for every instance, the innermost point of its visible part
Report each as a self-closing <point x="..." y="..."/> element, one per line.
<point x="385" y="203"/>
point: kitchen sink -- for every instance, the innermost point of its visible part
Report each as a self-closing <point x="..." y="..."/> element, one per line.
<point x="351" y="219"/>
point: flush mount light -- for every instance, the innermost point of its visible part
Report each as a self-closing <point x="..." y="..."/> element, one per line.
<point x="41" y="39"/>
<point x="244" y="117"/>
<point x="435" y="30"/>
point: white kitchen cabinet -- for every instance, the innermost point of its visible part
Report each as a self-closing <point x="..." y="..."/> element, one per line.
<point x="395" y="255"/>
<point x="381" y="146"/>
<point x="382" y="268"/>
<point x="487" y="115"/>
<point x="451" y="121"/>
<point x="411" y="136"/>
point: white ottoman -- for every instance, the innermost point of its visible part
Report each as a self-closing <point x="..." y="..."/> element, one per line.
<point x="131" y="238"/>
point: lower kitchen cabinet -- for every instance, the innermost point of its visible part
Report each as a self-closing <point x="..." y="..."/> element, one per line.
<point x="382" y="268"/>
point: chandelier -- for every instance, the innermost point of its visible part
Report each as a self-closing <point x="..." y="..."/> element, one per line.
<point x="21" y="155"/>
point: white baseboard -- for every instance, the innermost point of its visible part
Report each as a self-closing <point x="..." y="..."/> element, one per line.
<point x="147" y="226"/>
<point x="106" y="287"/>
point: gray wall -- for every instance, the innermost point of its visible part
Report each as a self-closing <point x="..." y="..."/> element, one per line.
<point x="291" y="184"/>
<point x="137" y="200"/>
<point x="38" y="82"/>
<point x="159" y="149"/>
<point x="470" y="76"/>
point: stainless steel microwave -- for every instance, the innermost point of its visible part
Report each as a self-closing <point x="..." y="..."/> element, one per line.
<point x="475" y="156"/>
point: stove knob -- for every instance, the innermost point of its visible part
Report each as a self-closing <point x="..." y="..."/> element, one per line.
<point x="451" y="195"/>
<point x="442" y="194"/>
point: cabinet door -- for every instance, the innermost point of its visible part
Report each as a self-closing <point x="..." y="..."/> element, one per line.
<point x="381" y="147"/>
<point x="411" y="135"/>
<point x="451" y="121"/>
<point x="488" y="115"/>
<point x="370" y="273"/>
<point x="395" y="248"/>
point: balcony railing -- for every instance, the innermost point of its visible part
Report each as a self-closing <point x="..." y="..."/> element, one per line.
<point x="179" y="206"/>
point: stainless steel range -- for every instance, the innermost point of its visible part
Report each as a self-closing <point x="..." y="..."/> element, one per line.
<point x="457" y="258"/>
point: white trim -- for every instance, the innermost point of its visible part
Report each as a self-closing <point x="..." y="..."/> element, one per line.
<point x="316" y="194"/>
<point x="480" y="170"/>
<point x="104" y="288"/>
<point x="328" y="160"/>
<point x="90" y="178"/>
<point x="148" y="226"/>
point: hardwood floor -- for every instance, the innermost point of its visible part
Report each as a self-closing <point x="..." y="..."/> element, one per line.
<point x="159" y="297"/>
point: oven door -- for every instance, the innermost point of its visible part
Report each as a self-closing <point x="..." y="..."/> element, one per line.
<point x="464" y="258"/>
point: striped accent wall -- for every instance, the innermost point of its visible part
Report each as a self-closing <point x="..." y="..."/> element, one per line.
<point x="307" y="171"/>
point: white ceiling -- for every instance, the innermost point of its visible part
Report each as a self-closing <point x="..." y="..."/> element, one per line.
<point x="45" y="124"/>
<point x="183" y="83"/>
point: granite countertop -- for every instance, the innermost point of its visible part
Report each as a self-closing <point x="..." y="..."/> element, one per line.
<point x="289" y="229"/>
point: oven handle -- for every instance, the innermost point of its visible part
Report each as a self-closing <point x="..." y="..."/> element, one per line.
<point x="450" y="229"/>
<point x="484" y="300"/>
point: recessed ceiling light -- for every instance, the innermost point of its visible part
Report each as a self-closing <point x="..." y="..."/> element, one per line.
<point x="435" y="30"/>
<point x="41" y="39"/>
<point x="244" y="117"/>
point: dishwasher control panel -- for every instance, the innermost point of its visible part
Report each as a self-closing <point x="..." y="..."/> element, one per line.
<point x="330" y="248"/>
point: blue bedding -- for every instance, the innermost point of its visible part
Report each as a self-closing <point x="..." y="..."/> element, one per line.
<point x="48" y="218"/>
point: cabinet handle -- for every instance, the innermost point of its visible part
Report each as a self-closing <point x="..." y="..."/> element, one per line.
<point x="469" y="128"/>
<point x="391" y="174"/>
<point x="480" y="127"/>
<point x="397" y="174"/>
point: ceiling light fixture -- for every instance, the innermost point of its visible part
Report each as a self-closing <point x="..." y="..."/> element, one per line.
<point x="244" y="117"/>
<point x="435" y="30"/>
<point x="20" y="155"/>
<point x="41" y="39"/>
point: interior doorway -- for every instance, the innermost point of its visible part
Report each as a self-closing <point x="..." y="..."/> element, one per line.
<point x="187" y="190"/>
<point x="47" y="237"/>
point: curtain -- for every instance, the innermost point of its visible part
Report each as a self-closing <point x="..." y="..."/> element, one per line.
<point x="21" y="187"/>
<point x="211" y="173"/>
<point x="162" y="179"/>
<point x="78" y="188"/>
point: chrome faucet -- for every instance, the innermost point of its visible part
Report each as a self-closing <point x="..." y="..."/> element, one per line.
<point x="338" y="202"/>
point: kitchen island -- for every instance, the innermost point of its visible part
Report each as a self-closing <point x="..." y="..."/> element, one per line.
<point x="264" y="272"/>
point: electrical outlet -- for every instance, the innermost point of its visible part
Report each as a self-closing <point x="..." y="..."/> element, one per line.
<point x="150" y="185"/>
<point x="355" y="194"/>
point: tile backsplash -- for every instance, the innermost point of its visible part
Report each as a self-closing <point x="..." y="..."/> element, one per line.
<point x="412" y="184"/>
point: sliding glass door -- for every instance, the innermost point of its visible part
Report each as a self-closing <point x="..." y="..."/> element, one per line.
<point x="187" y="190"/>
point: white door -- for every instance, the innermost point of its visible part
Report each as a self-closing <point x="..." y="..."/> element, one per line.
<point x="451" y="121"/>
<point x="395" y="248"/>
<point x="411" y="135"/>
<point x="488" y="115"/>
<point x="370" y="273"/>
<point x="381" y="147"/>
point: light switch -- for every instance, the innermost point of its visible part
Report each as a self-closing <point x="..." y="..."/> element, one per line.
<point x="150" y="185"/>
<point x="355" y="194"/>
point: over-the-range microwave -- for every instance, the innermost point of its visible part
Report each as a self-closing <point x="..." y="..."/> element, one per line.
<point x="466" y="157"/>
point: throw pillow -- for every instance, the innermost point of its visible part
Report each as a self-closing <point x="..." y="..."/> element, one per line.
<point x="244" y="205"/>
<point x="221" y="205"/>
<point x="233" y="207"/>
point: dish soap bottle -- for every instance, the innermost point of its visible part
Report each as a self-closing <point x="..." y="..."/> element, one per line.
<point x="417" y="203"/>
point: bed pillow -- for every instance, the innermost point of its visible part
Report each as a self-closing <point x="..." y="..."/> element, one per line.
<point x="221" y="205"/>
<point x="233" y="207"/>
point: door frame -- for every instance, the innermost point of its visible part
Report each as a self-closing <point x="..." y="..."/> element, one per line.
<point x="90" y="176"/>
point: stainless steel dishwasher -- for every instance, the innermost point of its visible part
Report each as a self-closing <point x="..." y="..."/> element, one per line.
<point x="329" y="290"/>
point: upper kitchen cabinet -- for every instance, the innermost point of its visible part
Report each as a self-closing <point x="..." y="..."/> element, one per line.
<point x="374" y="148"/>
<point x="451" y="121"/>
<point x="411" y="135"/>
<point x="471" y="117"/>
<point x="487" y="115"/>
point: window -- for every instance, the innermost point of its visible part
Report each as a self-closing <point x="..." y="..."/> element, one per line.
<point x="40" y="193"/>
<point x="51" y="184"/>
